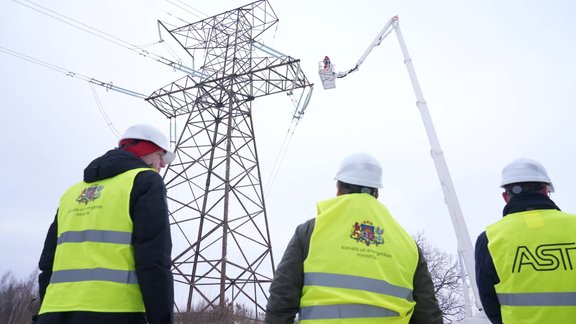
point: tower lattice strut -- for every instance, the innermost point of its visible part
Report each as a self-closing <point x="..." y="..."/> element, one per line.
<point x="222" y="253"/>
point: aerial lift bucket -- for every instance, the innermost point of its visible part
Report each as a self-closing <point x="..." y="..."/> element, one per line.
<point x="326" y="72"/>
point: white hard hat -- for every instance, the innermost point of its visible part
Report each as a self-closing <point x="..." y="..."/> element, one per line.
<point x="525" y="170"/>
<point x="360" y="169"/>
<point x="151" y="134"/>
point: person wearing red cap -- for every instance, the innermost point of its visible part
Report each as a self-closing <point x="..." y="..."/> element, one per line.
<point x="107" y="254"/>
<point x="151" y="153"/>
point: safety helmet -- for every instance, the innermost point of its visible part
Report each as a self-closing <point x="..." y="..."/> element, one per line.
<point x="360" y="169"/>
<point x="151" y="134"/>
<point x="525" y="170"/>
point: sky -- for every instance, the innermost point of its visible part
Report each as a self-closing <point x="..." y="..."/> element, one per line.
<point x="498" y="78"/>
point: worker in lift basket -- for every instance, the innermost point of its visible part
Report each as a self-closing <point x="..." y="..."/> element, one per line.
<point x="524" y="262"/>
<point x="327" y="64"/>
<point x="353" y="263"/>
<point x="106" y="258"/>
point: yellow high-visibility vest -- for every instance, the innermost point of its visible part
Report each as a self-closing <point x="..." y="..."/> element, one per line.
<point x="534" y="254"/>
<point x="94" y="261"/>
<point x="360" y="265"/>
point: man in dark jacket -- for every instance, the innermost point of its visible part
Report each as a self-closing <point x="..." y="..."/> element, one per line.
<point x="106" y="257"/>
<point x="522" y="260"/>
<point x="353" y="262"/>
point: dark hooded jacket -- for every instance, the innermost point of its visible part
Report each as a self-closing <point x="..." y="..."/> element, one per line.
<point x="150" y="238"/>
<point x="486" y="275"/>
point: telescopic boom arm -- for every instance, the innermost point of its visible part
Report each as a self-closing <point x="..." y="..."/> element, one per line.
<point x="465" y="251"/>
<point x="385" y="31"/>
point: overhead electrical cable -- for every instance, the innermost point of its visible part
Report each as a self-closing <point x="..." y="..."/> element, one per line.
<point x="300" y="104"/>
<point x="188" y="11"/>
<point x="91" y="81"/>
<point x="103" y="112"/>
<point x="203" y="15"/>
<point x="91" y="30"/>
<point x="107" y="85"/>
<point x="165" y="11"/>
<point x="279" y="160"/>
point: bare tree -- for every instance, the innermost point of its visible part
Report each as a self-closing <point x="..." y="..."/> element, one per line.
<point x="18" y="298"/>
<point x="447" y="281"/>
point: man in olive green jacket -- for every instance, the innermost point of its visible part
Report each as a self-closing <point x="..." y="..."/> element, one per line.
<point x="359" y="173"/>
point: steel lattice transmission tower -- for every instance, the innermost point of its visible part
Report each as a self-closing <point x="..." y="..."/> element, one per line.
<point x="222" y="252"/>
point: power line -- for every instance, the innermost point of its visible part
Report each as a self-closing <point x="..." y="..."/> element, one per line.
<point x="300" y="105"/>
<point x="74" y="23"/>
<point x="103" y="112"/>
<point x="280" y="159"/>
<point x="201" y="16"/>
<point x="107" y="85"/>
<point x="164" y="11"/>
<point x="103" y="35"/>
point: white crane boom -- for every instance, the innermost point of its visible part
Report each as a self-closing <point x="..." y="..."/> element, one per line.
<point x="465" y="250"/>
<point x="385" y="31"/>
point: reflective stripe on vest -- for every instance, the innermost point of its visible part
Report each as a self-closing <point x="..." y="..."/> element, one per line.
<point x="95" y="236"/>
<point x="100" y="274"/>
<point x="538" y="299"/>
<point x="360" y="264"/>
<point x="354" y="282"/>
<point x="344" y="311"/>
<point x="94" y="267"/>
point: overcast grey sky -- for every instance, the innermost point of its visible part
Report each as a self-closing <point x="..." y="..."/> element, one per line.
<point x="498" y="77"/>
